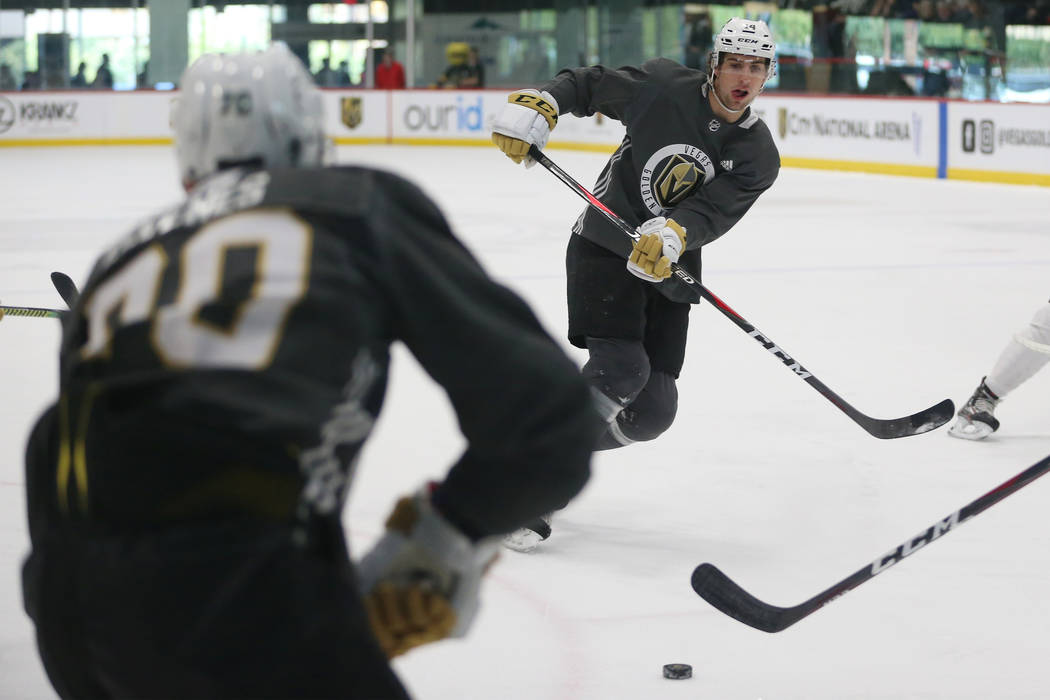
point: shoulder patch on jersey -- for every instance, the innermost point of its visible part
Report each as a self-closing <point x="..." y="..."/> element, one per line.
<point x="750" y="121"/>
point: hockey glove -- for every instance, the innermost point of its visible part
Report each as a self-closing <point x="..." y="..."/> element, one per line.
<point x="526" y="119"/>
<point x="421" y="581"/>
<point x="660" y="242"/>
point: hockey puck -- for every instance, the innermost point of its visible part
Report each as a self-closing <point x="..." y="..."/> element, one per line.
<point x="678" y="671"/>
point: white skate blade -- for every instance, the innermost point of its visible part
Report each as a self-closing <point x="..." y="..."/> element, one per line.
<point x="522" y="540"/>
<point x="969" y="430"/>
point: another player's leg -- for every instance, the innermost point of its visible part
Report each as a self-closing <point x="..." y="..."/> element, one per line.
<point x="976" y="419"/>
<point x="1026" y="353"/>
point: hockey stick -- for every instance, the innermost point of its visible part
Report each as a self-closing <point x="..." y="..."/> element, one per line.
<point x="30" y="312"/>
<point x="915" y="424"/>
<point x="67" y="289"/>
<point x="723" y="593"/>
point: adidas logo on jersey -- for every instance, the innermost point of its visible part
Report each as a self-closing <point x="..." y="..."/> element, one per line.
<point x="727" y="165"/>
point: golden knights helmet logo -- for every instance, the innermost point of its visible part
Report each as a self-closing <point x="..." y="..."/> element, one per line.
<point x="672" y="174"/>
<point x="351" y="111"/>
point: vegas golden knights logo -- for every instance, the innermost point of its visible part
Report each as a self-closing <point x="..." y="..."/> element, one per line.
<point x="782" y="122"/>
<point x="351" y="111"/>
<point x="678" y="178"/>
<point x="673" y="173"/>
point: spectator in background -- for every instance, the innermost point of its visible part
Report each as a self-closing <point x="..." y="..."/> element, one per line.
<point x="699" y="33"/>
<point x="7" y="78"/>
<point x="456" y="53"/>
<point x="103" y="76"/>
<point x="80" y="79"/>
<point x="390" y="74"/>
<point x="326" y="77"/>
<point x="946" y="11"/>
<point x="926" y="11"/>
<point x="474" y="76"/>
<point x="31" y="80"/>
<point x="343" y="74"/>
<point x="900" y="9"/>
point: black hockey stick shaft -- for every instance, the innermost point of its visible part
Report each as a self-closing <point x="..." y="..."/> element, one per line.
<point x="915" y="424"/>
<point x="723" y="593"/>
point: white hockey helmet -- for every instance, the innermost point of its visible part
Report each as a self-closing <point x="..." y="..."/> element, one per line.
<point x="750" y="37"/>
<point x="260" y="108"/>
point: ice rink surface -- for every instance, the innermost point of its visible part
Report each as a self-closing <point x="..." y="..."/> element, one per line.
<point x="895" y="292"/>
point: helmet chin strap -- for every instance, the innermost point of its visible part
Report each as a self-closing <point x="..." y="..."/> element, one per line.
<point x="713" y="91"/>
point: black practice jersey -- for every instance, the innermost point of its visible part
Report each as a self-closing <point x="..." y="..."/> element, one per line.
<point x="678" y="159"/>
<point x="230" y="356"/>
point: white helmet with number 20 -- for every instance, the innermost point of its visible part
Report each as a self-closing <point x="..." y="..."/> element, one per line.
<point x="750" y="37"/>
<point x="256" y="108"/>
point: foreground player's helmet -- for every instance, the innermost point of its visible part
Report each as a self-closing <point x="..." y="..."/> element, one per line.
<point x="750" y="37"/>
<point x="258" y="108"/>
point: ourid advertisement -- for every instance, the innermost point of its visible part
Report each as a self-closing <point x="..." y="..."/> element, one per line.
<point x="428" y="115"/>
<point x="422" y="115"/>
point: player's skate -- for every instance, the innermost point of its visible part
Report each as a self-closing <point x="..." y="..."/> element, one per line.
<point x="527" y="538"/>
<point x="975" y="420"/>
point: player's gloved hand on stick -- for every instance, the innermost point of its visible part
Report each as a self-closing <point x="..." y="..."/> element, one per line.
<point x="660" y="242"/>
<point x="421" y="580"/>
<point x="526" y="119"/>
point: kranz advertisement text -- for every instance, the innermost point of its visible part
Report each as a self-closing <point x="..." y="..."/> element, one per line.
<point x="22" y="115"/>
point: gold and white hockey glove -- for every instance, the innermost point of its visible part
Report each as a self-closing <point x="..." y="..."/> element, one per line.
<point x="526" y="119"/>
<point x="421" y="581"/>
<point x="660" y="243"/>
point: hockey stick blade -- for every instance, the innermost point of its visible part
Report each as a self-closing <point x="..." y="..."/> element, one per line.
<point x="728" y="597"/>
<point x="915" y="424"/>
<point x="888" y="428"/>
<point x="66" y="288"/>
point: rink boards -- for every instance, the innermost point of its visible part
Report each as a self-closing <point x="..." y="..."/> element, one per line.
<point x="953" y="139"/>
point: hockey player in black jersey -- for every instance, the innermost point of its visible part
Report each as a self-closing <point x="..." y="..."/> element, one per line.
<point x="693" y="161"/>
<point x="218" y="375"/>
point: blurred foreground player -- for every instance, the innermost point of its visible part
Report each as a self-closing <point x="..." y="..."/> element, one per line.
<point x="694" y="160"/>
<point x="1026" y="353"/>
<point x="219" y="374"/>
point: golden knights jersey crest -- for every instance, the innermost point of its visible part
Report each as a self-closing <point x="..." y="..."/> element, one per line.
<point x="672" y="174"/>
<point x="351" y="111"/>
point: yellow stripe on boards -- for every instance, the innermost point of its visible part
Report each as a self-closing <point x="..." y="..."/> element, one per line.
<point x="999" y="176"/>
<point x="787" y="161"/>
<point x="859" y="166"/>
<point x="359" y="140"/>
